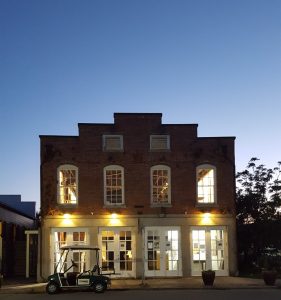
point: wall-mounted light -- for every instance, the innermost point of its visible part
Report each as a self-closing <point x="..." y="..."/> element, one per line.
<point x="206" y="219"/>
<point x="114" y="220"/>
<point x="67" y="220"/>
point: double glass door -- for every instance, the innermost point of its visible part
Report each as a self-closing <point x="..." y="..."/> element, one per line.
<point x="117" y="251"/>
<point x="209" y="250"/>
<point x="69" y="236"/>
<point x="162" y="251"/>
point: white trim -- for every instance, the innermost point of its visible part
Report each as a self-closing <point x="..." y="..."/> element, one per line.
<point x="165" y="168"/>
<point x="28" y="233"/>
<point x="69" y="241"/>
<point x="119" y="168"/>
<point x="67" y="167"/>
<point x="208" y="167"/>
<point x="161" y="139"/>
<point x="117" y="147"/>
<point x="116" y="249"/>
<point x="207" y="229"/>
<point x="162" y="248"/>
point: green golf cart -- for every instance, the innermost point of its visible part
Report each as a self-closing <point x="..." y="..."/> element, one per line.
<point x="69" y="274"/>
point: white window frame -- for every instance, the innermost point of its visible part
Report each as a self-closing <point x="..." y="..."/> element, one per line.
<point x="165" y="168"/>
<point x="117" y="168"/>
<point x="155" y="136"/>
<point x="69" y="241"/>
<point x="108" y="136"/>
<point x="67" y="167"/>
<point x="208" y="167"/>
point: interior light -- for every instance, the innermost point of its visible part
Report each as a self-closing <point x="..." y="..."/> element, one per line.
<point x="113" y="216"/>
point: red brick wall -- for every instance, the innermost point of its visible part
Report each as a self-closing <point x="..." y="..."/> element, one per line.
<point x="187" y="151"/>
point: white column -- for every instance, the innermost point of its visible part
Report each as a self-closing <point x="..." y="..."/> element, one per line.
<point x="27" y="256"/>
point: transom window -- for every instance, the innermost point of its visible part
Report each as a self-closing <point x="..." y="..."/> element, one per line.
<point x="206" y="184"/>
<point x="67" y="184"/>
<point x="159" y="142"/>
<point x="160" y="185"/>
<point x="114" y="185"/>
<point x="112" y="142"/>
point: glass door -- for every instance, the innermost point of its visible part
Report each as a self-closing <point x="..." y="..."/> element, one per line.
<point x="61" y="237"/>
<point x="117" y="251"/>
<point x="162" y="246"/>
<point x="209" y="250"/>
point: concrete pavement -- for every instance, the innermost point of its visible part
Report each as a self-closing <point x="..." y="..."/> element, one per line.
<point x="12" y="287"/>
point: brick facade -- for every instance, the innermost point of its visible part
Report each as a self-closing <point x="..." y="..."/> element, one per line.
<point x="186" y="152"/>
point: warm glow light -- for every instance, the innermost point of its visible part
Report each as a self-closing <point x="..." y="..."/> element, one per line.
<point x="206" y="219"/>
<point x="114" y="216"/>
<point x="67" y="220"/>
<point x="114" y="220"/>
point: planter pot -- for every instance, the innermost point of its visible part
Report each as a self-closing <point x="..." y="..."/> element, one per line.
<point x="269" y="277"/>
<point x="208" y="277"/>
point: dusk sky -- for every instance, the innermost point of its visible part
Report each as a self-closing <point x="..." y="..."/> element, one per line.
<point x="216" y="63"/>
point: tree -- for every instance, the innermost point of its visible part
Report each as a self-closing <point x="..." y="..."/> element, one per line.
<point x="258" y="193"/>
<point x="258" y="204"/>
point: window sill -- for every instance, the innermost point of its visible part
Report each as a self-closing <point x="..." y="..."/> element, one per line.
<point x="160" y="150"/>
<point x="114" y="206"/>
<point x="161" y="205"/>
<point x="113" y="150"/>
<point x="203" y="205"/>
<point x="68" y="204"/>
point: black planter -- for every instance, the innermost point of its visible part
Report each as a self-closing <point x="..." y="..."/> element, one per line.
<point x="269" y="277"/>
<point x="208" y="277"/>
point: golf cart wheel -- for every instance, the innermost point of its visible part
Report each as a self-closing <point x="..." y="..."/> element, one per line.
<point x="99" y="287"/>
<point x="52" y="288"/>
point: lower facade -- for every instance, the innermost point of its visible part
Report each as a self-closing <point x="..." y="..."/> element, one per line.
<point x="143" y="247"/>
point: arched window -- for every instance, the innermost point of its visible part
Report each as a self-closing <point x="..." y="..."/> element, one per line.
<point x="160" y="178"/>
<point x="67" y="178"/>
<point x="206" y="184"/>
<point x="113" y="185"/>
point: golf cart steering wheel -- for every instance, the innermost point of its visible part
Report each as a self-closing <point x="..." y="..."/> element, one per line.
<point x="74" y="264"/>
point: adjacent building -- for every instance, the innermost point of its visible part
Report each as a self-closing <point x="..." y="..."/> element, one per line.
<point x="158" y="200"/>
<point x="17" y="217"/>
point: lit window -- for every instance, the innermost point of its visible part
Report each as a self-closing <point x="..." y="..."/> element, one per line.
<point x="159" y="142"/>
<point x="160" y="185"/>
<point x="112" y="142"/>
<point x="67" y="184"/>
<point x="114" y="185"/>
<point x="206" y="178"/>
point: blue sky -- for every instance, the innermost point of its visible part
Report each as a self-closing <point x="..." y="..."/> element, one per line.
<point x="212" y="62"/>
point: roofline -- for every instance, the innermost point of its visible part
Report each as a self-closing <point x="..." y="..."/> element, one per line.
<point x="58" y="136"/>
<point x="16" y="211"/>
<point x="175" y="124"/>
<point x="217" y="137"/>
<point x="96" y="124"/>
<point x="138" y="114"/>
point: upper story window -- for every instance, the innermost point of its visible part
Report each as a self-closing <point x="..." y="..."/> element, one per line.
<point x="206" y="184"/>
<point x="113" y="185"/>
<point x="67" y="184"/>
<point x="159" y="142"/>
<point x="160" y="185"/>
<point x="112" y="142"/>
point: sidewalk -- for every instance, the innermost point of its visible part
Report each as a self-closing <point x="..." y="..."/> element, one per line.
<point x="25" y="286"/>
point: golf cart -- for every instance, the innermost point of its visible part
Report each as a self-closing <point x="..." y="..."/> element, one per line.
<point x="77" y="278"/>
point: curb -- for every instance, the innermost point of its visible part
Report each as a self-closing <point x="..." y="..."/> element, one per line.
<point x="41" y="290"/>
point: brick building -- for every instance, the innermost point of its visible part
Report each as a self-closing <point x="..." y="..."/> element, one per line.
<point x="16" y="218"/>
<point x="157" y="199"/>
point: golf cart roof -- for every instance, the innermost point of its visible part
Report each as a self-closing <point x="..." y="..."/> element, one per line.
<point x="79" y="247"/>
